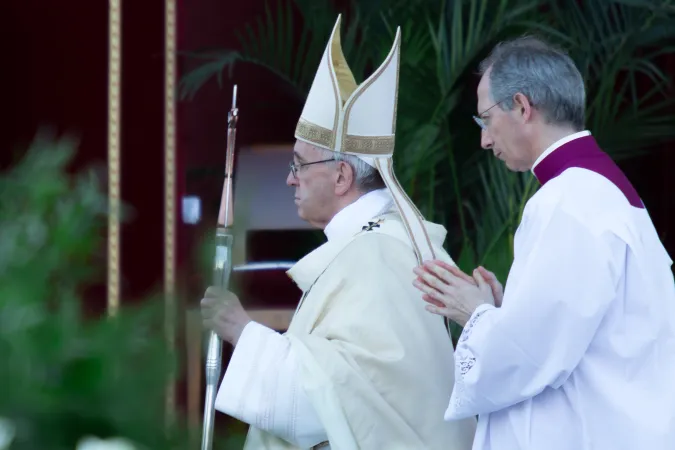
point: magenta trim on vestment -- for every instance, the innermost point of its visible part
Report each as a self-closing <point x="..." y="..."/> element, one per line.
<point x="584" y="153"/>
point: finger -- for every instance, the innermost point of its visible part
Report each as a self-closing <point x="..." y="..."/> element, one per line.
<point x="426" y="279"/>
<point x="443" y="264"/>
<point x="487" y="275"/>
<point x="207" y="323"/>
<point x="491" y="279"/>
<point x="456" y="271"/>
<point x="431" y="292"/>
<point x="432" y="301"/>
<point x="482" y="283"/>
<point x="419" y="271"/>
<point x="208" y="303"/>
<point x="436" y="310"/>
<point x="449" y="274"/>
<point x="208" y="313"/>
<point x="432" y="296"/>
<point x="432" y="281"/>
<point x="422" y="286"/>
<point x="211" y="307"/>
<point x="213" y="292"/>
<point x="432" y="267"/>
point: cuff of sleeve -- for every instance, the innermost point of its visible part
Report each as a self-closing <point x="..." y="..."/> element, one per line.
<point x="244" y="366"/>
<point x="252" y="332"/>
<point x="481" y="309"/>
<point x="485" y="307"/>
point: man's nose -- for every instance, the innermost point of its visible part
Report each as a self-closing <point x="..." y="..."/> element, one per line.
<point x="485" y="140"/>
<point x="291" y="180"/>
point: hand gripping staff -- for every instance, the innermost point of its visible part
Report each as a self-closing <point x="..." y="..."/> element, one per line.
<point x="222" y="268"/>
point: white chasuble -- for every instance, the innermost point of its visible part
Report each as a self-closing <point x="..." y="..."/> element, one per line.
<point x="581" y="354"/>
<point x="363" y="365"/>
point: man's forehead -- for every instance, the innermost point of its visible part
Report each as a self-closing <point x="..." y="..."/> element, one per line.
<point x="303" y="150"/>
<point x="483" y="92"/>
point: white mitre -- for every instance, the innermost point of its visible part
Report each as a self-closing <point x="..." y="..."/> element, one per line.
<point x="360" y="120"/>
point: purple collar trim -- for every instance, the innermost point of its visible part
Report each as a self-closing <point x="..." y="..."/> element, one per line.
<point x="584" y="153"/>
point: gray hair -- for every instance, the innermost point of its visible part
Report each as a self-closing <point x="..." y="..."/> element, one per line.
<point x="366" y="177"/>
<point x="546" y="75"/>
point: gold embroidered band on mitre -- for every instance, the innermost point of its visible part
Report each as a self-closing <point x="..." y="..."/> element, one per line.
<point x="315" y="134"/>
<point x="368" y="145"/>
<point x="364" y="145"/>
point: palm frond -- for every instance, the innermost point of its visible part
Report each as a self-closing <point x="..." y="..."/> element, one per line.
<point x="608" y="39"/>
<point x="269" y="43"/>
<point x="496" y="212"/>
<point x="191" y="83"/>
<point x="434" y="91"/>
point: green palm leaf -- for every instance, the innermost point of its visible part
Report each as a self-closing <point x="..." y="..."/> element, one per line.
<point x="613" y="43"/>
<point x="269" y="43"/>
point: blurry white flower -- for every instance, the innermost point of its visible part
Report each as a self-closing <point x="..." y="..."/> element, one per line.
<point x="94" y="443"/>
<point x="7" y="431"/>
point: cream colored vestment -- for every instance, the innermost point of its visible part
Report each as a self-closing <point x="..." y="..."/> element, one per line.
<point x="376" y="367"/>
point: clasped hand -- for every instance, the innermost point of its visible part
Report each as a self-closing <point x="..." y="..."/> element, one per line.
<point x="222" y="312"/>
<point x="451" y="293"/>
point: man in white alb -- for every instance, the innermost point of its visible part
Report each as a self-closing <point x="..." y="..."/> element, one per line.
<point x="363" y="365"/>
<point x="578" y="351"/>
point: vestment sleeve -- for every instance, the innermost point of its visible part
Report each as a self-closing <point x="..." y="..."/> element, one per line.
<point x="562" y="282"/>
<point x="261" y="387"/>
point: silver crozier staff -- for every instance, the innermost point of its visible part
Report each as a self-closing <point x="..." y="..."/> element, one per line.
<point x="221" y="275"/>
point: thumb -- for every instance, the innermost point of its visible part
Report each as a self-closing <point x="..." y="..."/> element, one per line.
<point x="482" y="284"/>
<point x="487" y="275"/>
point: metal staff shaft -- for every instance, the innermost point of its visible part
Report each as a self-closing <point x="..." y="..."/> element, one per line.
<point x="221" y="276"/>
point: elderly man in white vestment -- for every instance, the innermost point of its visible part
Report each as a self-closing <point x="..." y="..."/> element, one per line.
<point x="578" y="351"/>
<point x="362" y="365"/>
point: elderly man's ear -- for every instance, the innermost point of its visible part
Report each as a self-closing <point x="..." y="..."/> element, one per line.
<point x="345" y="178"/>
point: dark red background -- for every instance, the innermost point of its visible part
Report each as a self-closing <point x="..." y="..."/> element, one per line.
<point x="56" y="75"/>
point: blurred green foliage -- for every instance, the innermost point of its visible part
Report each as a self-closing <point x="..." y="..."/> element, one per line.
<point x="64" y="377"/>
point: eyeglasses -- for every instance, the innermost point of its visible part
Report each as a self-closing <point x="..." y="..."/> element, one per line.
<point x="479" y="120"/>
<point x="295" y="167"/>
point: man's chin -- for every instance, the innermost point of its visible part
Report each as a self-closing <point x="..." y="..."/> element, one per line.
<point x="515" y="168"/>
<point x="310" y="222"/>
<point x="508" y="163"/>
